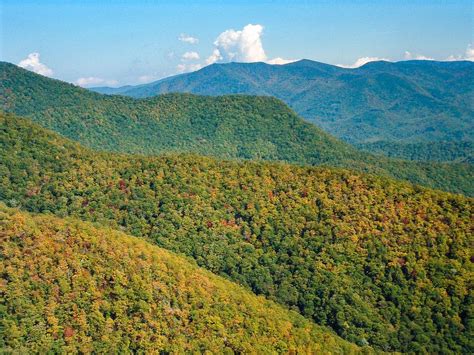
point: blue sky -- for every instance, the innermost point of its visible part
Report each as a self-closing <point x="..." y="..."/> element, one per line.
<point x="128" y="42"/>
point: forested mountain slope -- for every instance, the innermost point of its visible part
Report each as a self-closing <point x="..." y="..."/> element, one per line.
<point x="382" y="262"/>
<point x="423" y="102"/>
<point x="227" y="126"/>
<point x="461" y="151"/>
<point x="69" y="287"/>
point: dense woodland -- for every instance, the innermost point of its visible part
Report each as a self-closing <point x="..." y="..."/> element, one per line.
<point x="242" y="127"/>
<point x="96" y="290"/>
<point x="389" y="103"/>
<point x="383" y="263"/>
<point x="461" y="151"/>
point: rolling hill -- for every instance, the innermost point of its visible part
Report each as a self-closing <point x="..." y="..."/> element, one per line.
<point x="383" y="263"/>
<point x="460" y="151"/>
<point x="225" y="126"/>
<point x="71" y="287"/>
<point x="426" y="103"/>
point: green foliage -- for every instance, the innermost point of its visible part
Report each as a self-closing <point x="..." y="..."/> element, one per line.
<point x="404" y="103"/>
<point x="462" y="151"/>
<point x="70" y="287"/>
<point x="227" y="127"/>
<point x="383" y="263"/>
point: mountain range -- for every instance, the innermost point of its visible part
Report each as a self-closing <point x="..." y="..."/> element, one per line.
<point x="249" y="203"/>
<point x="383" y="263"/>
<point x="396" y="109"/>
<point x="235" y="126"/>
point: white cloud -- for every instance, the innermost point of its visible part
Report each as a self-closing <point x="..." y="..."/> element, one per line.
<point x="190" y="56"/>
<point x="143" y="79"/>
<point x="361" y="61"/>
<point x="242" y="46"/>
<point x="186" y="68"/>
<point x="93" y="81"/>
<point x="188" y="39"/>
<point x="468" y="55"/>
<point x="411" y="56"/>
<point x="32" y="62"/>
<point x="214" y="57"/>
<point x="280" y="61"/>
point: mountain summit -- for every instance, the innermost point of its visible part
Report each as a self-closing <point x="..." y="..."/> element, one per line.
<point x="379" y="103"/>
<point x="234" y="126"/>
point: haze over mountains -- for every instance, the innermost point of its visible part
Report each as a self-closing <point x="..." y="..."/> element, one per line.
<point x="227" y="127"/>
<point x="397" y="108"/>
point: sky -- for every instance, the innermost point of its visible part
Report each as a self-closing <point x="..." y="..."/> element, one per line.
<point x="114" y="43"/>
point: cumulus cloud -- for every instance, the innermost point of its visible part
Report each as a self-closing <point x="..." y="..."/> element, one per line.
<point x="411" y="56"/>
<point x="280" y="61"/>
<point x="240" y="46"/>
<point x="32" y="63"/>
<point x="94" y="81"/>
<point x="468" y="55"/>
<point x="452" y="58"/>
<point x="214" y="57"/>
<point x="361" y="61"/>
<point x="243" y="45"/>
<point x="143" y="79"/>
<point x="190" y="56"/>
<point x="188" y="39"/>
<point x="186" y="68"/>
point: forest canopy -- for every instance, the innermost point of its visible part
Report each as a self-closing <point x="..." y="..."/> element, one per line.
<point x="244" y="127"/>
<point x="383" y="263"/>
<point x="70" y="287"/>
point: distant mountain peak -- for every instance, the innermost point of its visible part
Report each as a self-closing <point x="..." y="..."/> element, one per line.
<point x="406" y="101"/>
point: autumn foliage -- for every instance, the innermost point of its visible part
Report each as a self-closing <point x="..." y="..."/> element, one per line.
<point x="70" y="287"/>
<point x="381" y="262"/>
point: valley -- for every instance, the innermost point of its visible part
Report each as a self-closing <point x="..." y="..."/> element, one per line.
<point x="385" y="107"/>
<point x="244" y="127"/>
<point x="236" y="177"/>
